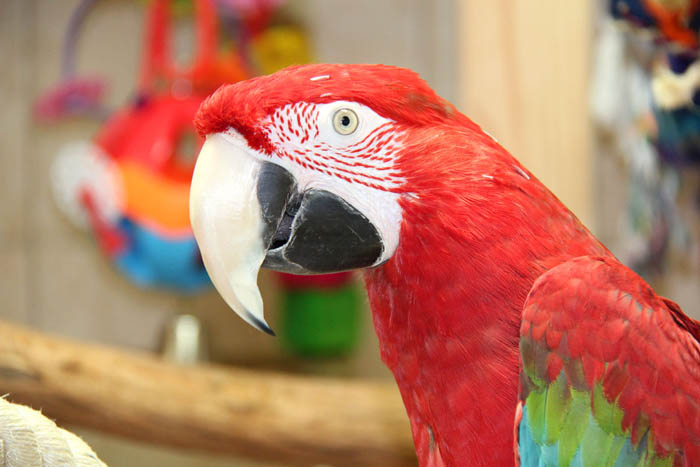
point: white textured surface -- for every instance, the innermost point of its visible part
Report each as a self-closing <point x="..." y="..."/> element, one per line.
<point x="29" y="439"/>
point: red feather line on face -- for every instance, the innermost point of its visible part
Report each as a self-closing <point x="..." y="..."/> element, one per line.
<point x="292" y="129"/>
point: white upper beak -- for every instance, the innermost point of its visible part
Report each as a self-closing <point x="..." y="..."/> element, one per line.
<point x="227" y="223"/>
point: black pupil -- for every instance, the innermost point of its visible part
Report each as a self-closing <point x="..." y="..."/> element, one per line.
<point x="345" y="120"/>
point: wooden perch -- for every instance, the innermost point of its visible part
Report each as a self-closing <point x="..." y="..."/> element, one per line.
<point x="264" y="416"/>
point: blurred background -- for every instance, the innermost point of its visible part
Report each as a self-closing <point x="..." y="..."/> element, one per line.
<point x="596" y="98"/>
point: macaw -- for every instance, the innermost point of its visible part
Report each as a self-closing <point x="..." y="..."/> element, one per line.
<point x="513" y="334"/>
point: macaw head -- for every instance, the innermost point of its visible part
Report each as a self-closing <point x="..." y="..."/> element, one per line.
<point x="310" y="170"/>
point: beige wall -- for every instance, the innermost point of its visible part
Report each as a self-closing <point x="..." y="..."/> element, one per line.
<point x="524" y="75"/>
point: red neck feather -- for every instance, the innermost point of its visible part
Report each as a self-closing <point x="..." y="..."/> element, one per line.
<point x="477" y="232"/>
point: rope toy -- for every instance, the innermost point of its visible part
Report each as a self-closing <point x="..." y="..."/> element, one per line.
<point x="29" y="439"/>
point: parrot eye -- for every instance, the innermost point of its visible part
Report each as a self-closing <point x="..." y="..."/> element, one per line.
<point x="345" y="121"/>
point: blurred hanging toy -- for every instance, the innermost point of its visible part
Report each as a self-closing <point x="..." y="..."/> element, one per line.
<point x="673" y="21"/>
<point x="279" y="46"/>
<point x="622" y="108"/>
<point x="644" y="94"/>
<point x="131" y="185"/>
<point x="73" y="95"/>
<point x="674" y="26"/>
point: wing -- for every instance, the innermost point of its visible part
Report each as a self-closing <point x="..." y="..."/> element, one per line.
<point x="610" y="372"/>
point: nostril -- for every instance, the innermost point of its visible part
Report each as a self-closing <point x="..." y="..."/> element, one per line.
<point x="278" y="242"/>
<point x="284" y="230"/>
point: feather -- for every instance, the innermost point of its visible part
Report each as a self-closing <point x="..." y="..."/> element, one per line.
<point x="640" y="407"/>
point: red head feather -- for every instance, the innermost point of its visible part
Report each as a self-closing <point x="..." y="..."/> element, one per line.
<point x="395" y="93"/>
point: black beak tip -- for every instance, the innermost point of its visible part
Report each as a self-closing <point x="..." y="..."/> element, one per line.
<point x="261" y="325"/>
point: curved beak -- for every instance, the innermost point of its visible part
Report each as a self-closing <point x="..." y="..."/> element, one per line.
<point x="247" y="213"/>
<point x="226" y="221"/>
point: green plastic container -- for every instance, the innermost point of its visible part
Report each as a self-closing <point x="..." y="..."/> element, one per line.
<point x="321" y="322"/>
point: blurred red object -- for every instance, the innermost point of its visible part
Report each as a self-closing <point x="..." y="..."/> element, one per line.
<point x="73" y="96"/>
<point x="292" y="281"/>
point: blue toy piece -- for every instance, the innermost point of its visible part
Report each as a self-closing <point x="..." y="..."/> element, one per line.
<point x="150" y="259"/>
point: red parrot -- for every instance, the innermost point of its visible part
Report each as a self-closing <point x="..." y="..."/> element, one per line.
<point x="474" y="270"/>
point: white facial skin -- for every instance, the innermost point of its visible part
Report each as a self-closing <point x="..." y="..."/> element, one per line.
<point x="359" y="167"/>
<point x="353" y="158"/>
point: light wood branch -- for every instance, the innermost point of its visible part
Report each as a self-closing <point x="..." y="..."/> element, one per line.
<point x="265" y="416"/>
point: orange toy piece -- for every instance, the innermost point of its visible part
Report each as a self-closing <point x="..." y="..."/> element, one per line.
<point x="673" y="22"/>
<point x="156" y="202"/>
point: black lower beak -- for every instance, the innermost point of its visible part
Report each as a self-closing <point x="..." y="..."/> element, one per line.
<point x="312" y="231"/>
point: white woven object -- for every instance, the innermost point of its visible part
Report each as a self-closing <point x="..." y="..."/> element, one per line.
<point x="82" y="165"/>
<point x="29" y="439"/>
